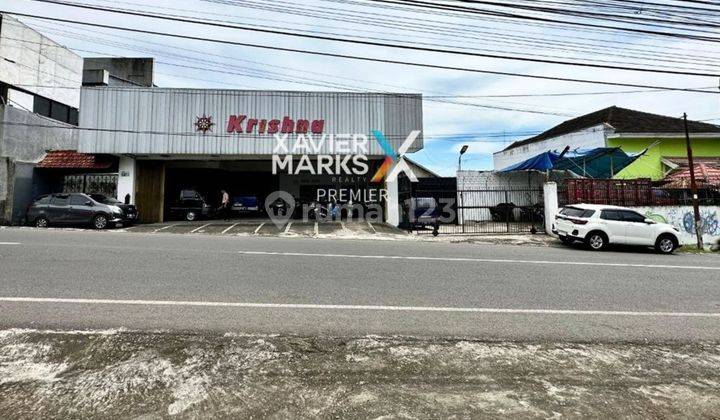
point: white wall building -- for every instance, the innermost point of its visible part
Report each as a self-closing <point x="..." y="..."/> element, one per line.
<point x="586" y="138"/>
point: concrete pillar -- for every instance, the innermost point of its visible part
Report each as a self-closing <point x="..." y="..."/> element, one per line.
<point x="392" y="206"/>
<point x="126" y="179"/>
<point x="551" y="205"/>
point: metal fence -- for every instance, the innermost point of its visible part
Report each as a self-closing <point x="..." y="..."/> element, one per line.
<point x="91" y="184"/>
<point x="626" y="193"/>
<point x="474" y="211"/>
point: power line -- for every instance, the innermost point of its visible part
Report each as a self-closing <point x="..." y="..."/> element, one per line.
<point x="377" y="44"/>
<point x="426" y="97"/>
<point x="265" y="76"/>
<point x="696" y="59"/>
<point x="470" y="10"/>
<point x="361" y="58"/>
<point x="423" y="25"/>
<point x="442" y="137"/>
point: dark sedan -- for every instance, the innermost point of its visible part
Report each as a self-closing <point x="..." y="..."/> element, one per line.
<point x="96" y="210"/>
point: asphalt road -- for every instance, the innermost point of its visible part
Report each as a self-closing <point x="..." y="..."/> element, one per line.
<point x="89" y="280"/>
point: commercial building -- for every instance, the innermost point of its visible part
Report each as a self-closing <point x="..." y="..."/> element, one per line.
<point x="633" y="131"/>
<point x="168" y="140"/>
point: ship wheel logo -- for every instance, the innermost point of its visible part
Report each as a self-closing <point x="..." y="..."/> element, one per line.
<point x="204" y="124"/>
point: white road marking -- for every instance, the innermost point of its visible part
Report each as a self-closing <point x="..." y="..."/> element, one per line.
<point x="163" y="228"/>
<point x="287" y="228"/>
<point x="226" y="230"/>
<point x="372" y="227"/>
<point x="356" y="307"/>
<point x="258" y="228"/>
<point x="9" y="243"/>
<point x="316" y="229"/>
<point x="203" y="226"/>
<point x="485" y="260"/>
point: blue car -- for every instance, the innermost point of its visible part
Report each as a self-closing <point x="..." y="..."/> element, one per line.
<point x="245" y="204"/>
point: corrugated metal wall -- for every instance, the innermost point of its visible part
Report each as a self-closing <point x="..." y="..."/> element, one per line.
<point x="161" y="121"/>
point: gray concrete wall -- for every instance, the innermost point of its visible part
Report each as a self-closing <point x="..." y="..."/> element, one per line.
<point x="21" y="146"/>
<point x="37" y="64"/>
<point x="4" y="180"/>
<point x="136" y="70"/>
<point x="21" y="191"/>
<point x="27" y="142"/>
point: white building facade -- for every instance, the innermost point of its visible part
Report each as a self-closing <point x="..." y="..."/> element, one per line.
<point x="207" y="139"/>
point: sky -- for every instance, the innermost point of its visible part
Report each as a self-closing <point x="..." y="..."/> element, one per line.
<point x="473" y="119"/>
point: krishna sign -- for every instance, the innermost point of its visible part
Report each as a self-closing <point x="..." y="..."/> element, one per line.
<point x="264" y="126"/>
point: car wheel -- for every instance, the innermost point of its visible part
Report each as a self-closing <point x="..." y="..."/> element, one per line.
<point x="666" y="244"/>
<point x="42" y="222"/>
<point x="100" y="221"/>
<point x="190" y="216"/>
<point x="597" y="241"/>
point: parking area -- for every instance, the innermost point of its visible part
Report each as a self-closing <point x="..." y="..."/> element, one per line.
<point x="268" y="228"/>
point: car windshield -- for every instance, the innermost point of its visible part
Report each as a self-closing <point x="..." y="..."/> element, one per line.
<point x="576" y="212"/>
<point x="103" y="199"/>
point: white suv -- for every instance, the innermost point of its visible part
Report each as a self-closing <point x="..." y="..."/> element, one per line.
<point x="599" y="225"/>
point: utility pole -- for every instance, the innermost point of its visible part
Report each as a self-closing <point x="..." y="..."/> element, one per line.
<point x="693" y="185"/>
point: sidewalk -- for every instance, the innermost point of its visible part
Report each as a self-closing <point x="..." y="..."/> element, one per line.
<point x="539" y="239"/>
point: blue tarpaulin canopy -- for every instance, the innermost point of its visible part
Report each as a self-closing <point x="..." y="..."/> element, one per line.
<point x="601" y="162"/>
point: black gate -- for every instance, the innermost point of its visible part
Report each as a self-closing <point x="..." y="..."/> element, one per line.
<point x="499" y="211"/>
<point x="429" y="206"/>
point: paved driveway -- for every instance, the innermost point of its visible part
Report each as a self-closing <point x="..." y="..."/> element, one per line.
<point x="268" y="228"/>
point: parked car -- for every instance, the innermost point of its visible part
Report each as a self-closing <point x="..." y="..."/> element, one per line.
<point x="130" y="212"/>
<point x="190" y="205"/>
<point x="96" y="210"/>
<point x="423" y="213"/>
<point x="600" y="225"/>
<point x="246" y="204"/>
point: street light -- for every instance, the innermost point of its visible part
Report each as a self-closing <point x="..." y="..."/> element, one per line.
<point x="462" y="152"/>
<point x="462" y="216"/>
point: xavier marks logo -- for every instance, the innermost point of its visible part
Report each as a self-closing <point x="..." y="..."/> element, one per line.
<point x="394" y="163"/>
<point x="341" y="155"/>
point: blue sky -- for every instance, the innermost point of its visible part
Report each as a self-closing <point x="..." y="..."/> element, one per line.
<point x="477" y="122"/>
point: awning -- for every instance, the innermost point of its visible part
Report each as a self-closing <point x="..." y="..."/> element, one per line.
<point x="600" y="163"/>
<point x="70" y="159"/>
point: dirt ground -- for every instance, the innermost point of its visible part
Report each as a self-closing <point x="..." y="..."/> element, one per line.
<point x="101" y="374"/>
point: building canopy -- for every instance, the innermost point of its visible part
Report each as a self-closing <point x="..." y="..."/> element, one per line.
<point x="600" y="162"/>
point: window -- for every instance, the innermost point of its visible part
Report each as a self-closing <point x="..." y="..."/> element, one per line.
<point x="41" y="106"/>
<point x="73" y="119"/>
<point x="78" y="200"/>
<point x="610" y="215"/>
<point x="43" y="200"/>
<point x="101" y="198"/>
<point x="55" y="110"/>
<point x="59" y="112"/>
<point x="189" y="195"/>
<point x="576" y="212"/>
<point x="60" y="200"/>
<point x="631" y="216"/>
